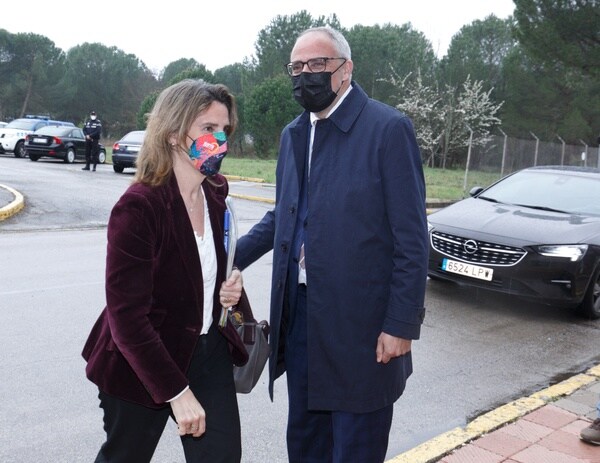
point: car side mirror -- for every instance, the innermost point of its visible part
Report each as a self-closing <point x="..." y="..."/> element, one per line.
<point x="475" y="191"/>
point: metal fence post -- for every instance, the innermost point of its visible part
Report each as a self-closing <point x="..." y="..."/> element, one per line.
<point x="468" y="160"/>
<point x="586" y="152"/>
<point x="537" y="145"/>
<point x="503" y="152"/>
<point x="562" y="154"/>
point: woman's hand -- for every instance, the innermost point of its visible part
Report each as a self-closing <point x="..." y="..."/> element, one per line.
<point x="189" y="414"/>
<point x="231" y="289"/>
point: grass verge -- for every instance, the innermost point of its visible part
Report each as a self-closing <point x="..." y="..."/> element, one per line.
<point x="443" y="184"/>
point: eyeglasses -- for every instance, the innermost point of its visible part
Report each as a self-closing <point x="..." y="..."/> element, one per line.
<point x="314" y="65"/>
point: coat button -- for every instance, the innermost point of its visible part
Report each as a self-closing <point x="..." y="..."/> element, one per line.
<point x="284" y="248"/>
<point x="292" y="210"/>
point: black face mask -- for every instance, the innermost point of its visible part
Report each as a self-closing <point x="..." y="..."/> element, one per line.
<point x="312" y="90"/>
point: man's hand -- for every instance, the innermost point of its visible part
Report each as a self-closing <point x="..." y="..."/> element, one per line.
<point x="389" y="347"/>
<point x="189" y="414"/>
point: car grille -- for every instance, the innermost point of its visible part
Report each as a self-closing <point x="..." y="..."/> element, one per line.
<point x="476" y="252"/>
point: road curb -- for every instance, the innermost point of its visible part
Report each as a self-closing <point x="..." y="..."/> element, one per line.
<point x="436" y="448"/>
<point x="247" y="179"/>
<point x="13" y="207"/>
<point x="252" y="198"/>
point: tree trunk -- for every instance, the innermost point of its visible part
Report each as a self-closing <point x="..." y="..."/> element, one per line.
<point x="28" y="92"/>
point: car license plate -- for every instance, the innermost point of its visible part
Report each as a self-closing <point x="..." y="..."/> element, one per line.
<point x="468" y="270"/>
<point x="39" y="140"/>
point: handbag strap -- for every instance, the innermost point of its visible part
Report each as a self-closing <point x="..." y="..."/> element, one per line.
<point x="243" y="306"/>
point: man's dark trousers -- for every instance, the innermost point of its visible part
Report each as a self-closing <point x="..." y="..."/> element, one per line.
<point x="326" y="436"/>
<point x="91" y="152"/>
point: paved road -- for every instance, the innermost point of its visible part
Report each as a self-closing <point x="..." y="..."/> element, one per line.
<point x="476" y="351"/>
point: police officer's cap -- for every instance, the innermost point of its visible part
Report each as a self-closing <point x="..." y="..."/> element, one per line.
<point x="92" y="113"/>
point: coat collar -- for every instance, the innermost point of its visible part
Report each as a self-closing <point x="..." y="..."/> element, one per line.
<point x="346" y="115"/>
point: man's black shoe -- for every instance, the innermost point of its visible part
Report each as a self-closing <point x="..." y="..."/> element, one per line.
<point x="85" y="168"/>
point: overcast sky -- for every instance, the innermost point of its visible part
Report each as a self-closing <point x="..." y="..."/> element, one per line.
<point x="217" y="34"/>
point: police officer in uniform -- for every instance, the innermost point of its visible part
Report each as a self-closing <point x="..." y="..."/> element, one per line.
<point x="92" y="130"/>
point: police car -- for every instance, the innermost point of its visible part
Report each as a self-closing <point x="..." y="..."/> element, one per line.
<point x="12" y="135"/>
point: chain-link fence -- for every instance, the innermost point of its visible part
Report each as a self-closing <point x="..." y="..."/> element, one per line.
<point x="505" y="155"/>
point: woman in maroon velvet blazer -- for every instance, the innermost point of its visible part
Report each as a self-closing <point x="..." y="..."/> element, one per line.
<point x="156" y="350"/>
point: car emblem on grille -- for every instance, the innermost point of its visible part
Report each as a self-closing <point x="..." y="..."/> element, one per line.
<point x="470" y="246"/>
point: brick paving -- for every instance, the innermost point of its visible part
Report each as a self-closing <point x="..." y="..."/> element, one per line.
<point x="541" y="428"/>
<point x="549" y="434"/>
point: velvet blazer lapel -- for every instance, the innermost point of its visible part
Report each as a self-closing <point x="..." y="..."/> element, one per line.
<point x="185" y="237"/>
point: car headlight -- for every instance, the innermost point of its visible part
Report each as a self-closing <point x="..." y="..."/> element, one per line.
<point x="429" y="227"/>
<point x="573" y="252"/>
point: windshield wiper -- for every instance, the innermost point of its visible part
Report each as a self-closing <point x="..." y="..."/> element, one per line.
<point x="487" y="198"/>
<point x="542" y="208"/>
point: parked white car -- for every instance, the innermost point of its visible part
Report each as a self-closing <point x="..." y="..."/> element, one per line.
<point x="12" y="135"/>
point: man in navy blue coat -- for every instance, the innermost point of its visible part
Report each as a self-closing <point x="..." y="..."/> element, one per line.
<point x="349" y="240"/>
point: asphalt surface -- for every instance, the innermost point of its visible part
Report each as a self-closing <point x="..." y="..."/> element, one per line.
<point x="575" y="397"/>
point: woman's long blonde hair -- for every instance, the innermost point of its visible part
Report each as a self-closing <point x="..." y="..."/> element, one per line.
<point x="175" y="110"/>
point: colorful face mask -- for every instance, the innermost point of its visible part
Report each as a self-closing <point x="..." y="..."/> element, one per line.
<point x="207" y="152"/>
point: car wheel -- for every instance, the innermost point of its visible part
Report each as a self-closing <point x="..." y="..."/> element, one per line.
<point x="101" y="157"/>
<point x="70" y="156"/>
<point x="117" y="168"/>
<point x="33" y="157"/>
<point x="20" y="149"/>
<point x="590" y="307"/>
